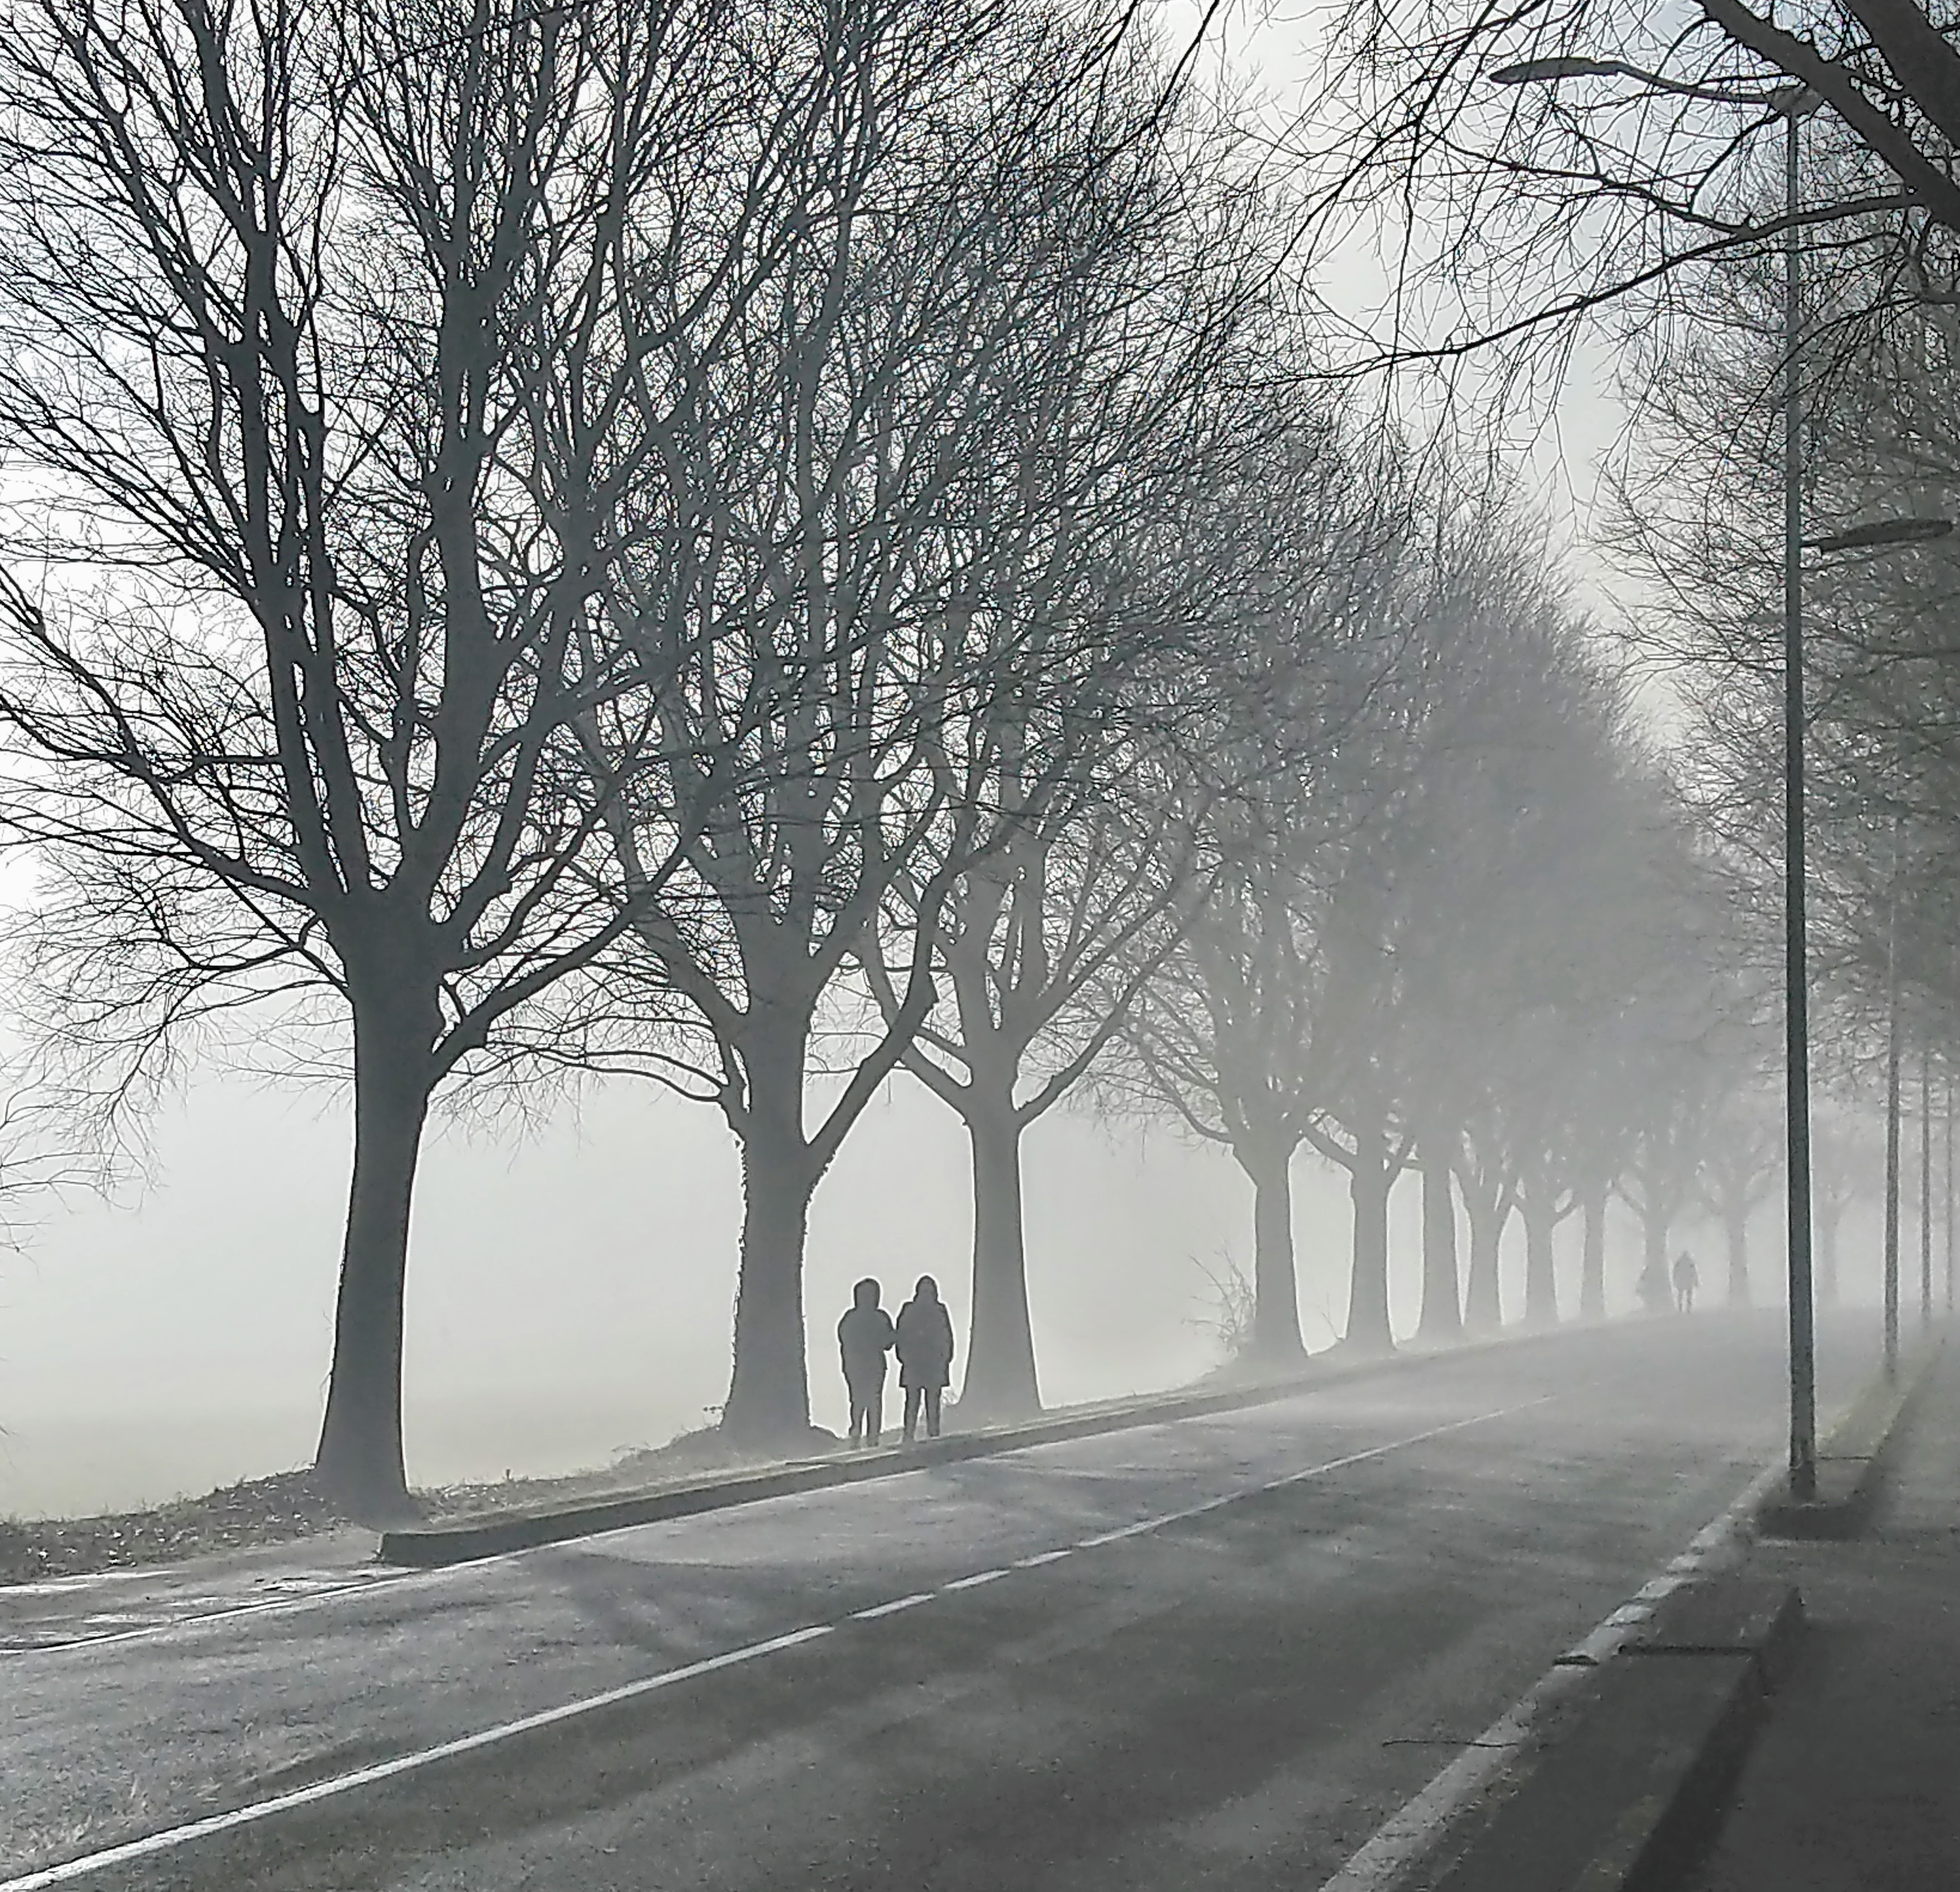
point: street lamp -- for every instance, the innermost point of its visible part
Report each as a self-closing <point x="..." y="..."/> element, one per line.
<point x="1925" y="1183"/>
<point x="1892" y="1051"/>
<point x="1792" y="103"/>
<point x="1949" y="1188"/>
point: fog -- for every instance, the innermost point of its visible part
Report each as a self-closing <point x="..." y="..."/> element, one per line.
<point x="570" y="1290"/>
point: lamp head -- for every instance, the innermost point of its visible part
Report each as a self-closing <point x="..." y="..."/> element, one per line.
<point x="1544" y="71"/>
<point x="1880" y="532"/>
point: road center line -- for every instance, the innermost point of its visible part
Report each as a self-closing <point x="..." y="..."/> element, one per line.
<point x="170" y="1838"/>
<point x="867" y="1616"/>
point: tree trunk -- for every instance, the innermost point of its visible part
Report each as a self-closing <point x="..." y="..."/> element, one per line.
<point x="1592" y="1263"/>
<point x="1276" y="1342"/>
<point x="1442" y="1291"/>
<point x="1737" y="1228"/>
<point x="359" y="1461"/>
<point x="1000" y="1379"/>
<point x="1541" y="1276"/>
<point x="1656" y="1291"/>
<point x="1483" y="1303"/>
<point x="1827" y="1261"/>
<point x="1368" y="1329"/>
<point x="768" y="1392"/>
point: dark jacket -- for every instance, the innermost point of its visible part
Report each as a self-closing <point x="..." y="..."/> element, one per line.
<point x="925" y="1343"/>
<point x="864" y="1336"/>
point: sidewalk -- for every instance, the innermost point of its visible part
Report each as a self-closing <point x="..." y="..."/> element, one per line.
<point x="1854" y="1784"/>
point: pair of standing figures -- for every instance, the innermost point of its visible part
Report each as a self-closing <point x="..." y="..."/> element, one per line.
<point x="922" y="1337"/>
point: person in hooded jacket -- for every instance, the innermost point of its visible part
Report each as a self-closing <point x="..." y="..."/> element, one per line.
<point x="925" y="1355"/>
<point x="1687" y="1278"/>
<point x="864" y="1337"/>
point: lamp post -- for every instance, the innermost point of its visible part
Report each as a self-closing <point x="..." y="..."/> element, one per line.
<point x="1792" y="103"/>
<point x="1949" y="1189"/>
<point x="1796" y="950"/>
<point x="1892" y="1122"/>
<point x="1925" y="1184"/>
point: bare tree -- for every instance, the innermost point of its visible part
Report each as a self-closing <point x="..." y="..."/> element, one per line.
<point x="1137" y="424"/>
<point x="1847" y="1164"/>
<point x="1462" y="934"/>
<point x="861" y="517"/>
<point x="324" y="336"/>
<point x="1740" y="1173"/>
<point x="1042" y="946"/>
<point x="1234" y="1037"/>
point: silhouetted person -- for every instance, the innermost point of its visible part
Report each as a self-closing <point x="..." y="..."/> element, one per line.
<point x="1687" y="1278"/>
<point x="864" y="1337"/>
<point x="925" y="1355"/>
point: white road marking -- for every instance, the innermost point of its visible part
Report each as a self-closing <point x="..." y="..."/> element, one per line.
<point x="1300" y="1477"/>
<point x="170" y="1838"/>
<point x="173" y="1837"/>
<point x="1117" y="1536"/>
<point x="1043" y="1556"/>
<point x="872" y="1614"/>
<point x="409" y="1581"/>
<point x="1407" y="1836"/>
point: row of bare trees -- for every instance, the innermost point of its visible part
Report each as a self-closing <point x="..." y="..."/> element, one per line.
<point x="595" y="539"/>
<point x="1478" y="940"/>
<point x="763" y="548"/>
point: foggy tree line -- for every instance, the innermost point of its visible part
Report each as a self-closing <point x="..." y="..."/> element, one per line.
<point x="766" y="548"/>
<point x="1882" y="434"/>
<point x="1552" y="172"/>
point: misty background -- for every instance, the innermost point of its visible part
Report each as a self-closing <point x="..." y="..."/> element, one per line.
<point x="571" y="1285"/>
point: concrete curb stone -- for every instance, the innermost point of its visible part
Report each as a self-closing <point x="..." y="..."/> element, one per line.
<point x="1624" y="1791"/>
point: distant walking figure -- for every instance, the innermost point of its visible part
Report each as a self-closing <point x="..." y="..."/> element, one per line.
<point x="1687" y="1278"/>
<point x="925" y="1355"/>
<point x="864" y="1337"/>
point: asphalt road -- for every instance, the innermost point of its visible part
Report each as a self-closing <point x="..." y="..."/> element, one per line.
<point x="1215" y="1653"/>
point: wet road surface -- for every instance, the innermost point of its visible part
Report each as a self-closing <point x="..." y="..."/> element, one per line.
<point x="1214" y="1653"/>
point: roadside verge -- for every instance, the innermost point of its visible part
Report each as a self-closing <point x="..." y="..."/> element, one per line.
<point x="1855" y="1458"/>
<point x="460" y="1541"/>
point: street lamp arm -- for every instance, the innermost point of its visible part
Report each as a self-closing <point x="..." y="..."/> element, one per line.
<point x="1550" y="70"/>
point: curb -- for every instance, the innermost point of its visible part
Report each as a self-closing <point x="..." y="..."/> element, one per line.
<point x="433" y="1546"/>
<point x="1856" y="1458"/>
<point x="1635" y="1779"/>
